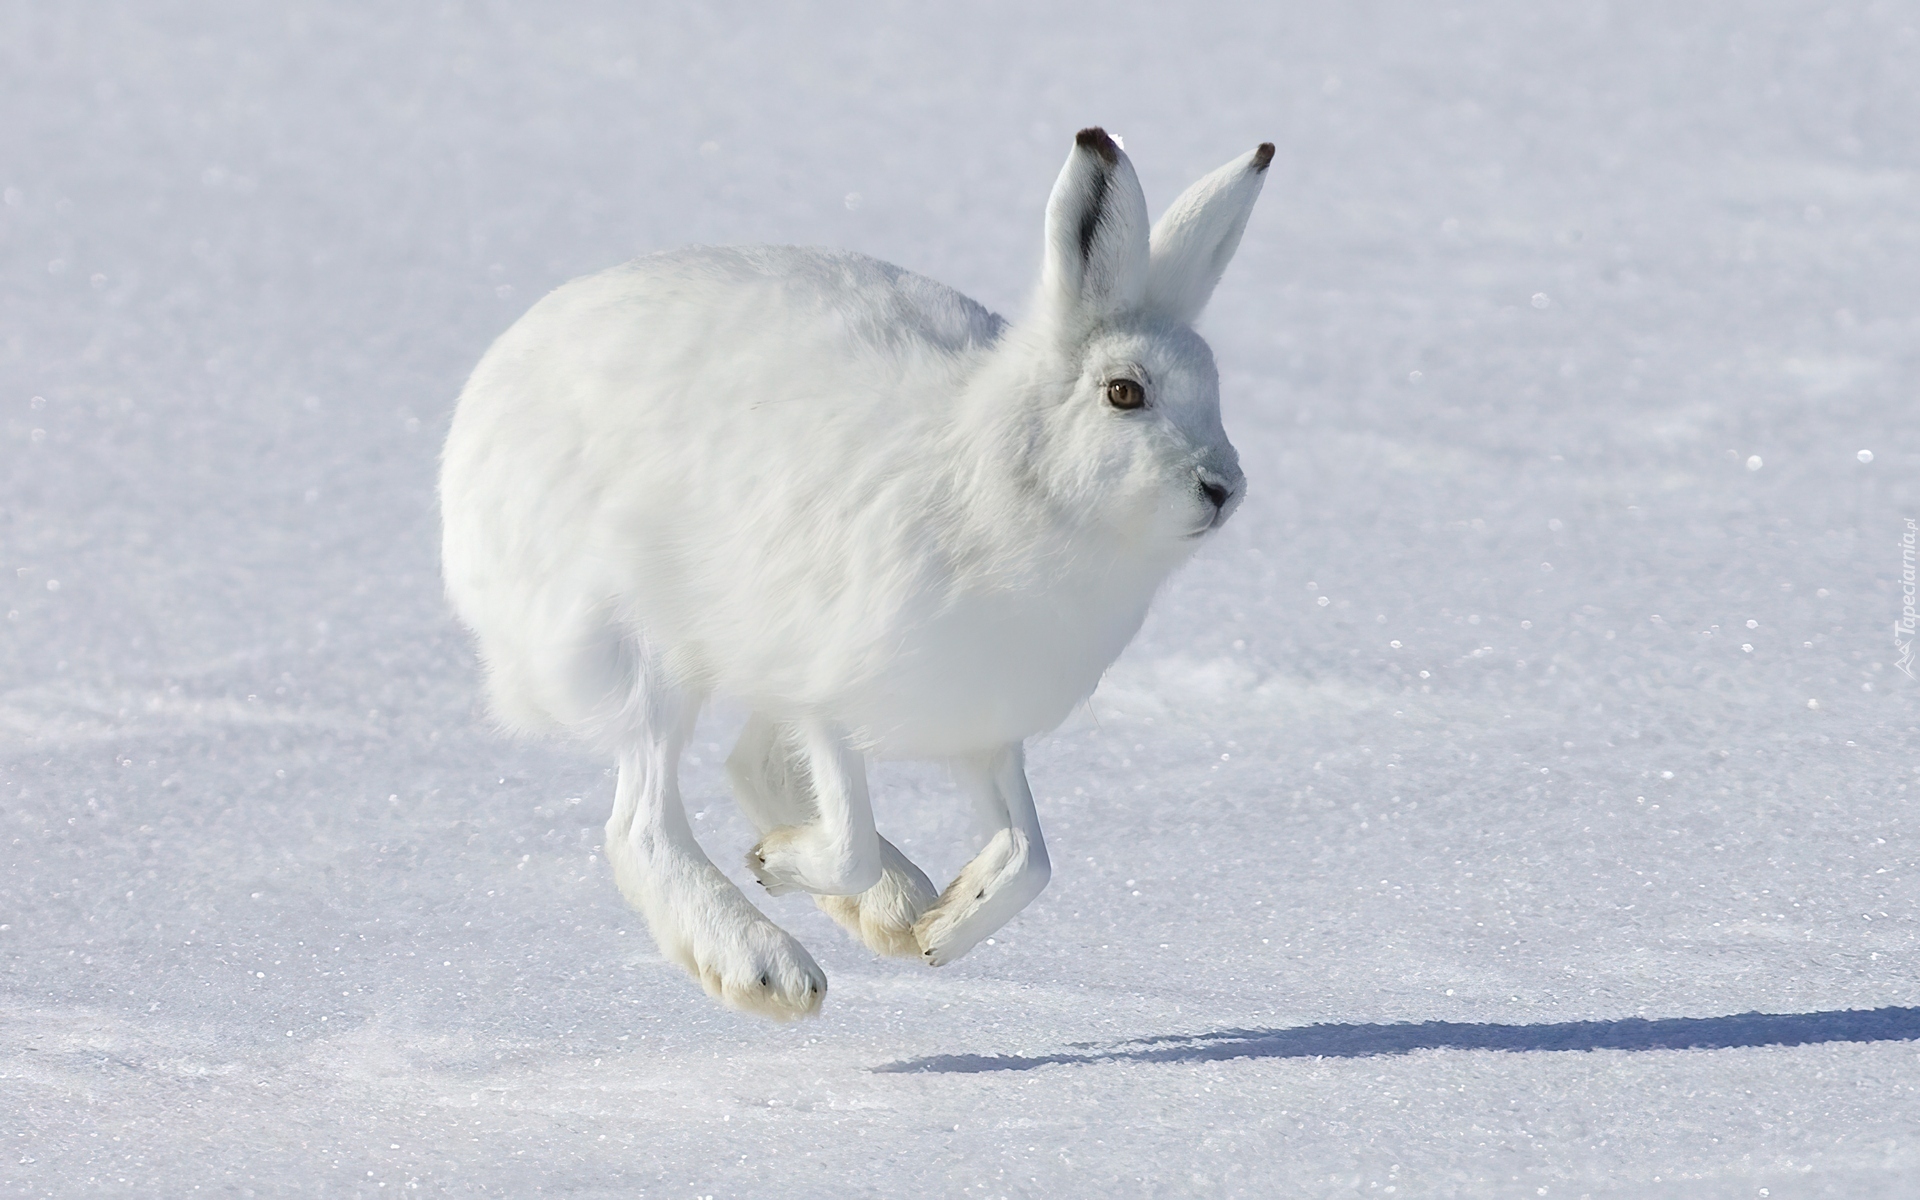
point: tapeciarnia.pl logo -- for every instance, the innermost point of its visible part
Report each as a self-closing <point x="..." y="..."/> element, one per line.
<point x="1903" y="628"/>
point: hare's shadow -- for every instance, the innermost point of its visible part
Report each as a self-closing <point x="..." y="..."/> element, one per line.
<point x="1364" y="1041"/>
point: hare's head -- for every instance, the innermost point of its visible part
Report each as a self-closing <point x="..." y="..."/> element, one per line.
<point x="1132" y="405"/>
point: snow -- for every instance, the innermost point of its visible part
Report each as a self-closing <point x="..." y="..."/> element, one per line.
<point x="1436" y="835"/>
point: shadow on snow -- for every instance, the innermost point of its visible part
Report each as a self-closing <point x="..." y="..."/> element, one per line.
<point x="1364" y="1041"/>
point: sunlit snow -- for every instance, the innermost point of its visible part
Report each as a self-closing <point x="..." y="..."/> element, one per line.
<point x="1516" y="798"/>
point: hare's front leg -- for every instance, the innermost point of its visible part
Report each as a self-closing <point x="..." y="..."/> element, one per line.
<point x="837" y="851"/>
<point x="773" y="789"/>
<point x="1005" y="876"/>
<point x="697" y="917"/>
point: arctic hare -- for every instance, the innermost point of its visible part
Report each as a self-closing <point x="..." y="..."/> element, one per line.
<point x="886" y="520"/>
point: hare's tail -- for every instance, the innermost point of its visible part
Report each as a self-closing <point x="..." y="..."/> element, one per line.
<point x="578" y="672"/>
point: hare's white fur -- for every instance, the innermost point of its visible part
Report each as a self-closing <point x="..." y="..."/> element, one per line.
<point x="886" y="520"/>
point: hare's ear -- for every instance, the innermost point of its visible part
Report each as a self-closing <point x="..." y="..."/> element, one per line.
<point x="1195" y="238"/>
<point x="1096" y="262"/>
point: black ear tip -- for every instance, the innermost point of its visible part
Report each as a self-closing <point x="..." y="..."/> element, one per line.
<point x="1263" y="156"/>
<point x="1095" y="139"/>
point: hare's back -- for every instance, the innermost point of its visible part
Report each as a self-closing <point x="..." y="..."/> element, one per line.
<point x="873" y="302"/>
<point x="781" y="300"/>
<point x="678" y="339"/>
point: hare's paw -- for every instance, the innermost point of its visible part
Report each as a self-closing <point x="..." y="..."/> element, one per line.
<point x="1000" y="881"/>
<point x="767" y="866"/>
<point x="802" y="858"/>
<point x="702" y="922"/>
<point x="756" y="967"/>
<point x="882" y="917"/>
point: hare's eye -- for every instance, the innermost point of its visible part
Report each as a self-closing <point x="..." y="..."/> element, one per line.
<point x="1126" y="393"/>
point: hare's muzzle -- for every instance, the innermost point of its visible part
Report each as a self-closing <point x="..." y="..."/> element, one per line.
<point x="1221" y="492"/>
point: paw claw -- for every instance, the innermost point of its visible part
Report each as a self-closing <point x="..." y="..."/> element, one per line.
<point x="765" y="876"/>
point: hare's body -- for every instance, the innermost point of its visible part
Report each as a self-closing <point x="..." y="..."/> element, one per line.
<point x="835" y="405"/>
<point x="883" y="518"/>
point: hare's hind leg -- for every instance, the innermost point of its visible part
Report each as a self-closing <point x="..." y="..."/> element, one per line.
<point x="773" y="786"/>
<point x="1007" y="873"/>
<point x="697" y="917"/>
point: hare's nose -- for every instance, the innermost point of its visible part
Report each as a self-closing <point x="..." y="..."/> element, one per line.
<point x="1215" y="492"/>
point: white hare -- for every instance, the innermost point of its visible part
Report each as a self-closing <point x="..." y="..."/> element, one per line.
<point x="886" y="520"/>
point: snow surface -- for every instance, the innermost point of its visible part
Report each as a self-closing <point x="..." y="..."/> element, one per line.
<point x="1440" y="808"/>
